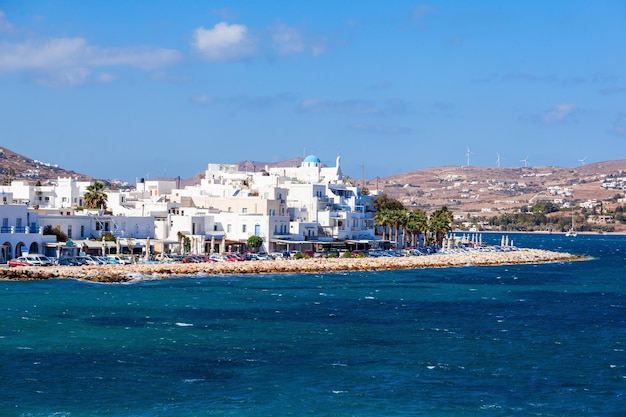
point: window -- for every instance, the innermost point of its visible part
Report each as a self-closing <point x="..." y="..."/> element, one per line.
<point x="243" y="228"/>
<point x="215" y="227"/>
<point x="229" y="228"/>
<point x="69" y="231"/>
<point x="244" y="210"/>
<point x="82" y="231"/>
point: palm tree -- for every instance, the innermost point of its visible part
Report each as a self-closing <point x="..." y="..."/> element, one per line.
<point x="417" y="223"/>
<point x="95" y="196"/>
<point x="398" y="221"/>
<point x="383" y="218"/>
<point x="440" y="223"/>
<point x="390" y="213"/>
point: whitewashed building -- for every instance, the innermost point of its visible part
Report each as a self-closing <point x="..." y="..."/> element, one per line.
<point x="20" y="231"/>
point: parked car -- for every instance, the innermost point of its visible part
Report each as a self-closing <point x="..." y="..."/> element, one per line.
<point x="65" y="261"/>
<point x="17" y="262"/>
<point x="31" y="260"/>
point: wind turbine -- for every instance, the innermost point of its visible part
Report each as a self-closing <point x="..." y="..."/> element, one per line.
<point x="498" y="160"/>
<point x="468" y="156"/>
<point x="582" y="161"/>
<point x="525" y="161"/>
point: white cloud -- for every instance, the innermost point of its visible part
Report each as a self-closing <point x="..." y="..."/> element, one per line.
<point x="420" y="12"/>
<point x="224" y="42"/>
<point x="106" y="77"/>
<point x="68" y="53"/>
<point x="5" y="25"/>
<point x="559" y="113"/>
<point x="353" y="107"/>
<point x="312" y="105"/>
<point x="287" y="40"/>
<point x="140" y="57"/>
<point x="47" y="54"/>
<point x="202" y="99"/>
<point x="64" y="77"/>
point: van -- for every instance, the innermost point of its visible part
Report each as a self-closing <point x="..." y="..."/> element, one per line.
<point x="37" y="260"/>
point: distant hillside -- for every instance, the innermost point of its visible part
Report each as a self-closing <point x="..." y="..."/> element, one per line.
<point x="14" y="166"/>
<point x="471" y="189"/>
<point x="254" y="166"/>
<point x="465" y="189"/>
<point x="249" y="166"/>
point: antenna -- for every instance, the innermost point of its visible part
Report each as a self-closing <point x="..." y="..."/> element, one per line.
<point x="582" y="161"/>
<point x="362" y="175"/>
<point x="525" y="161"/>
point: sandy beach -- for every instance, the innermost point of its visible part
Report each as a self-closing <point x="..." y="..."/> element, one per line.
<point x="128" y="273"/>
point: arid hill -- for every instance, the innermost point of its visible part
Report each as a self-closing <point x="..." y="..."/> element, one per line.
<point x="475" y="189"/>
<point x="14" y="166"/>
<point x="465" y="189"/>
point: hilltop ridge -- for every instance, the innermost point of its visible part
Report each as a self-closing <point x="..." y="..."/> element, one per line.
<point x="463" y="188"/>
<point x="471" y="188"/>
<point x="14" y="166"/>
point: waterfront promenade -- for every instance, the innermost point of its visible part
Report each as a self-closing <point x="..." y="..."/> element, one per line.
<point x="129" y="273"/>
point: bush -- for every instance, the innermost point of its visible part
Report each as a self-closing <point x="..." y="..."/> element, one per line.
<point x="49" y="230"/>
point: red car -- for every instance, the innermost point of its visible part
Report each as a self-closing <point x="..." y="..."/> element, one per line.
<point x="18" y="262"/>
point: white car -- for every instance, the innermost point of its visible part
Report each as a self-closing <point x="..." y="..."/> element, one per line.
<point x="36" y="260"/>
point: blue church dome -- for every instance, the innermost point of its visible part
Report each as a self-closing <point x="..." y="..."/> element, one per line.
<point x="312" y="159"/>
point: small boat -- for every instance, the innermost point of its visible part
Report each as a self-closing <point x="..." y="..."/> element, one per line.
<point x="571" y="232"/>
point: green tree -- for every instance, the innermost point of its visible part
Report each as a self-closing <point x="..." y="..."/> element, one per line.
<point x="185" y="243"/>
<point x="417" y="223"/>
<point x="398" y="221"/>
<point x="95" y="197"/>
<point x="254" y="242"/>
<point x="383" y="218"/>
<point x="383" y="201"/>
<point x="440" y="223"/>
<point x="61" y="236"/>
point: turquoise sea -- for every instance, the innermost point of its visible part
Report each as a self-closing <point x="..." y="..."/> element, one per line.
<point x="523" y="340"/>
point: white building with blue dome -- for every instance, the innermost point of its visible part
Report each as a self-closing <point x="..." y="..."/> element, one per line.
<point x="311" y="170"/>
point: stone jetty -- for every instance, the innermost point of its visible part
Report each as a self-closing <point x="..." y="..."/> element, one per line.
<point x="129" y="273"/>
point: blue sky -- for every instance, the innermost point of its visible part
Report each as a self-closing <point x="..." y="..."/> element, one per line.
<point x="162" y="88"/>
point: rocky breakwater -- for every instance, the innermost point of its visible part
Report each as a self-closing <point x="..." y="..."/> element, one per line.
<point x="126" y="273"/>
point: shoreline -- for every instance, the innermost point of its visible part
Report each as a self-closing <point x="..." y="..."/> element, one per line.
<point x="137" y="272"/>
